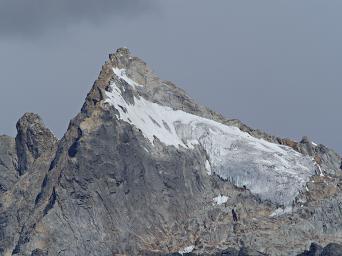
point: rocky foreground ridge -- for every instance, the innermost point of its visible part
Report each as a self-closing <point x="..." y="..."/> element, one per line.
<point x="144" y="170"/>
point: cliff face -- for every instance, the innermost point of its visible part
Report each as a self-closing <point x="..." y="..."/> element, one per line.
<point x="26" y="160"/>
<point x="144" y="170"/>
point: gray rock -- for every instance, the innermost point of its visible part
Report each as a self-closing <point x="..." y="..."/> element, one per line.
<point x="33" y="139"/>
<point x="34" y="148"/>
<point x="39" y="252"/>
<point x="315" y="250"/>
<point x="332" y="249"/>
<point x="8" y="163"/>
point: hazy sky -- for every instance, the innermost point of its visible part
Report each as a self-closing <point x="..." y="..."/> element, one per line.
<point x="276" y="65"/>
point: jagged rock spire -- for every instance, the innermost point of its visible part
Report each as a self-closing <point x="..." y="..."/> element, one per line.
<point x="32" y="140"/>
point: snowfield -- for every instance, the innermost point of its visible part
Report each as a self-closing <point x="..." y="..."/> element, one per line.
<point x="273" y="172"/>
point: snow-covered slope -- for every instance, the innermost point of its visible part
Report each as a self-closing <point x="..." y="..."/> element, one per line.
<point x="269" y="170"/>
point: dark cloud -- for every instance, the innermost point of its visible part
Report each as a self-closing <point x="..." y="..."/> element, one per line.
<point x="34" y="17"/>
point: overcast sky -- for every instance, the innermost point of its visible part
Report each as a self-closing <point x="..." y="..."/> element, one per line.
<point x="276" y="65"/>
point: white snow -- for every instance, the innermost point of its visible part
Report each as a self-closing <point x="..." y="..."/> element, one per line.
<point x="281" y="211"/>
<point x="318" y="167"/>
<point x="272" y="171"/>
<point x="122" y="74"/>
<point x="220" y="199"/>
<point x="313" y="143"/>
<point x="187" y="249"/>
<point x="208" y="167"/>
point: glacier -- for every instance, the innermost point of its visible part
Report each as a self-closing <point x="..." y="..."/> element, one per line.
<point x="273" y="172"/>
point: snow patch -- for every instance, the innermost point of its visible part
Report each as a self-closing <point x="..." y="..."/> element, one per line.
<point x="271" y="171"/>
<point x="321" y="174"/>
<point x="281" y="211"/>
<point x="187" y="249"/>
<point x="122" y="74"/>
<point x="220" y="199"/>
<point x="208" y="167"/>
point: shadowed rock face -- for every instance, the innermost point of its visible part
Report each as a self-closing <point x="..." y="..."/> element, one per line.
<point x="112" y="186"/>
<point x="331" y="249"/>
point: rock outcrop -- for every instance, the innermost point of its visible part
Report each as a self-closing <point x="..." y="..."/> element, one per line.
<point x="145" y="170"/>
<point x="26" y="161"/>
<point x="33" y="141"/>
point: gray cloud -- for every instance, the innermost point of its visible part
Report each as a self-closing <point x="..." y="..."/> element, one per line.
<point x="34" y="17"/>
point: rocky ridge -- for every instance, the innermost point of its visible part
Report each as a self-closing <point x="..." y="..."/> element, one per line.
<point x="107" y="188"/>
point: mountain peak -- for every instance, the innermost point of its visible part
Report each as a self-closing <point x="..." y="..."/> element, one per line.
<point x="123" y="50"/>
<point x="145" y="170"/>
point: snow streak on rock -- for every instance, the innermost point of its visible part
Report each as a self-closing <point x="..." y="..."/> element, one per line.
<point x="281" y="211"/>
<point x="272" y="171"/>
<point x="121" y="73"/>
<point x="208" y="167"/>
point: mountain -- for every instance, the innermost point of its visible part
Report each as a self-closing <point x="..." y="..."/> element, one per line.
<point x="145" y="170"/>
